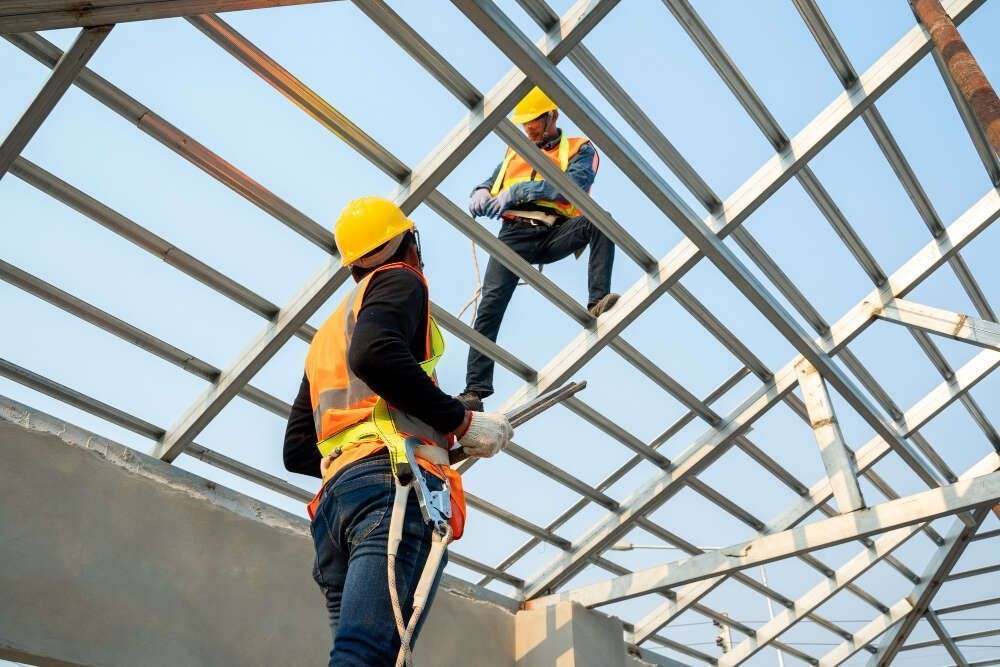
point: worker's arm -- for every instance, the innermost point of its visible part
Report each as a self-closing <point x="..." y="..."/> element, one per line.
<point x="381" y="356"/>
<point x="300" y="452"/>
<point x="582" y="169"/>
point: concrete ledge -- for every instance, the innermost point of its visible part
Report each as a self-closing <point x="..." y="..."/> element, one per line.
<point x="111" y="557"/>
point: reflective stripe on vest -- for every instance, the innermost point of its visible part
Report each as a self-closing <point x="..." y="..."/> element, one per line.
<point x="515" y="169"/>
<point x="343" y="405"/>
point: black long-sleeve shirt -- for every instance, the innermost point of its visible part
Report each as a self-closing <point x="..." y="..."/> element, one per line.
<point x="389" y="341"/>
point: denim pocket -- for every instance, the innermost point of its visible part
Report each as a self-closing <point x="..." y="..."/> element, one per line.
<point x="362" y="503"/>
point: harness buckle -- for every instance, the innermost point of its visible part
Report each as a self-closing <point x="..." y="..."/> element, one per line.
<point x="435" y="506"/>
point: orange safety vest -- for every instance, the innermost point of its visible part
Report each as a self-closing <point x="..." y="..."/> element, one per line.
<point x="341" y="401"/>
<point x="515" y="169"/>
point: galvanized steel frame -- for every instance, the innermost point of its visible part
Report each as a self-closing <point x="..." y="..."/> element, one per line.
<point x="897" y="431"/>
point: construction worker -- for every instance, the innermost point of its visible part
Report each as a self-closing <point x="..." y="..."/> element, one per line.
<point x="539" y="224"/>
<point x="377" y="351"/>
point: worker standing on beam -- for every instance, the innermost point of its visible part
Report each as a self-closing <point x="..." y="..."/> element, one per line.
<point x="539" y="224"/>
<point x="369" y="382"/>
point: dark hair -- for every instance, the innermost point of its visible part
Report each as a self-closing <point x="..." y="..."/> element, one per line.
<point x="409" y="241"/>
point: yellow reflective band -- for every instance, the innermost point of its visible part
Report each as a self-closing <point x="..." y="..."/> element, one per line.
<point x="495" y="190"/>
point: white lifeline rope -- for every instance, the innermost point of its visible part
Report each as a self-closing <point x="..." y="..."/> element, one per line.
<point x="422" y="592"/>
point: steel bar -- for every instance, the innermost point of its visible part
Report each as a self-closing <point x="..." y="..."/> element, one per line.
<point x="976" y="572"/>
<point x="962" y="65"/>
<point x="148" y="241"/>
<point x="138" y="337"/>
<point x="475" y="566"/>
<point x="883" y="137"/>
<point x="662" y="534"/>
<point x="922" y="412"/>
<point x="841" y="469"/>
<point x="735" y="510"/>
<point x="714" y="443"/>
<point x="965" y="606"/>
<point x="619" y="99"/>
<point x="25" y="15"/>
<point x="181" y="143"/>
<point x="940" y="565"/>
<point x="958" y="638"/>
<point x="946" y="640"/>
<point x="54" y="88"/>
<point x="956" y="326"/>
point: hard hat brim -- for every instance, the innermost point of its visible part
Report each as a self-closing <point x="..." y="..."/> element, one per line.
<point x="522" y="118"/>
<point x="350" y="258"/>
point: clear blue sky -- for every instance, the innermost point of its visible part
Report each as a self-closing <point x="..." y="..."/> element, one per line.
<point x="178" y="73"/>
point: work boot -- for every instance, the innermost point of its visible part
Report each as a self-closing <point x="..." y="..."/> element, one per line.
<point x="603" y="305"/>
<point x="471" y="400"/>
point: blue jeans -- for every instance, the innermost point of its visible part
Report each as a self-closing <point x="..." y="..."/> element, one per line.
<point x="350" y="532"/>
<point x="536" y="244"/>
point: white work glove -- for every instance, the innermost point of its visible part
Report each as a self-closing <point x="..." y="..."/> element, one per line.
<point x="488" y="433"/>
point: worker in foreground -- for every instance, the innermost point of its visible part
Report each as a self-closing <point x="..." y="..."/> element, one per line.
<point x="539" y="224"/>
<point x="369" y="386"/>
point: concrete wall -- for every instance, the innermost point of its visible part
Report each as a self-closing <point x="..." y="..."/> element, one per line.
<point x="109" y="557"/>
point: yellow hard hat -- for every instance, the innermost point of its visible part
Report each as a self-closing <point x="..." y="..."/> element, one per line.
<point x="365" y="224"/>
<point x="534" y="104"/>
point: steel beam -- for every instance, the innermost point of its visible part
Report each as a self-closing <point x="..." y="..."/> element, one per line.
<point x="975" y="572"/>
<point x="53" y="89"/>
<point x="181" y="143"/>
<point x="946" y="640"/>
<point x="714" y="443"/>
<point x="136" y="336"/>
<point x="956" y="326"/>
<point x="944" y="559"/>
<point x="917" y="508"/>
<point x="850" y="571"/>
<point x="867" y="634"/>
<point x="841" y="469"/>
<point x="25" y="15"/>
<point x="958" y="638"/>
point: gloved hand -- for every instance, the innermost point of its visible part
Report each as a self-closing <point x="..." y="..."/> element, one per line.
<point x="478" y="201"/>
<point x="488" y="433"/>
<point x="496" y="206"/>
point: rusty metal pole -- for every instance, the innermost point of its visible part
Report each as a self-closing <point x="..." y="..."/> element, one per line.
<point x="976" y="89"/>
